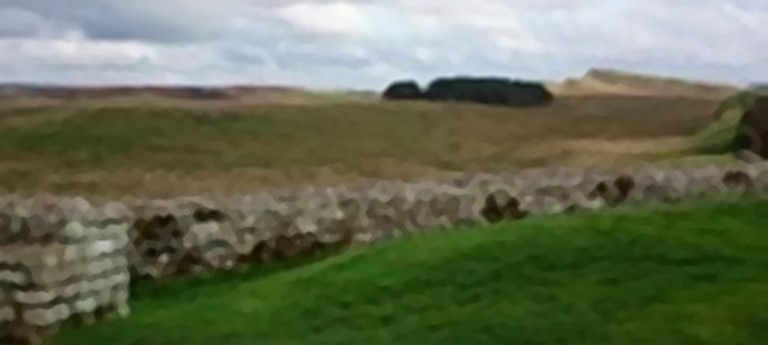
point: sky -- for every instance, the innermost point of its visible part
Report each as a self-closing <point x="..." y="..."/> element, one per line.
<point x="366" y="44"/>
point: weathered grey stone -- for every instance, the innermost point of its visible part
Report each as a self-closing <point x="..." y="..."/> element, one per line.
<point x="55" y="250"/>
<point x="81" y="250"/>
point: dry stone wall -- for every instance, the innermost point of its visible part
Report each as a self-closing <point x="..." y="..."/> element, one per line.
<point x="60" y="258"/>
<point x="172" y="237"/>
<point x="64" y="257"/>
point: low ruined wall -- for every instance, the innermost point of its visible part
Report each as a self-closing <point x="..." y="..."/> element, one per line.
<point x="176" y="237"/>
<point x="60" y="258"/>
<point x="63" y="257"/>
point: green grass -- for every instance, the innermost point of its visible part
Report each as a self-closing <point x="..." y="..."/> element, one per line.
<point x="196" y="139"/>
<point x="717" y="139"/>
<point x="88" y="138"/>
<point x="695" y="273"/>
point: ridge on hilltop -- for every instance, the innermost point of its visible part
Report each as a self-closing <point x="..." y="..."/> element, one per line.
<point x="598" y="81"/>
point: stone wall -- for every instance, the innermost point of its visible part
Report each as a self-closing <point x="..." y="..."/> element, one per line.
<point x="60" y="258"/>
<point x="64" y="257"/>
<point x="176" y="237"/>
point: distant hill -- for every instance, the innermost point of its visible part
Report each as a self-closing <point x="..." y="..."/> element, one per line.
<point x="239" y="94"/>
<point x="614" y="82"/>
<point x="594" y="82"/>
<point x="182" y="92"/>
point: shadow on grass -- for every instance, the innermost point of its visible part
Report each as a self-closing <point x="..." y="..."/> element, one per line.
<point x="150" y="288"/>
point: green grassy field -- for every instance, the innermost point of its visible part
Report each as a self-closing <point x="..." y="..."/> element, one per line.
<point x="118" y="148"/>
<point x="694" y="273"/>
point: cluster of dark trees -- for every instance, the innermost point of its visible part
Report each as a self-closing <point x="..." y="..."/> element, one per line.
<point x="496" y="91"/>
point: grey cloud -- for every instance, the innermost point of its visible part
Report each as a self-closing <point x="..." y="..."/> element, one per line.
<point x="162" y="21"/>
<point x="302" y="60"/>
<point x="244" y="55"/>
<point x="16" y="22"/>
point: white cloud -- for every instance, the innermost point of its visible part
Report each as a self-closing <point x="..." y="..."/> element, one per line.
<point x="76" y="52"/>
<point x="338" y="18"/>
<point x="366" y="43"/>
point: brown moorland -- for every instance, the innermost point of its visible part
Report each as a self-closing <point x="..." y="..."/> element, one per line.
<point x="182" y="147"/>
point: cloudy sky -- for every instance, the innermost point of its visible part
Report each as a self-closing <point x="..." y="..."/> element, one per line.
<point x="367" y="43"/>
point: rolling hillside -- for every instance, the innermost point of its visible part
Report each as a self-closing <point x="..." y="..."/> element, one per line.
<point x="119" y="148"/>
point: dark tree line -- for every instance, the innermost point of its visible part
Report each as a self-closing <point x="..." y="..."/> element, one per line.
<point x="496" y="91"/>
<point x="403" y="90"/>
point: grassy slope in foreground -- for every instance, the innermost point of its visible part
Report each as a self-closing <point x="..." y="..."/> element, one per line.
<point x="686" y="274"/>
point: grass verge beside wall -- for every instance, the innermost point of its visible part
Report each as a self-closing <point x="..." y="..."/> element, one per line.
<point x="682" y="274"/>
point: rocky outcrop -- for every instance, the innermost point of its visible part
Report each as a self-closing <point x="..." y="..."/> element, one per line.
<point x="752" y="133"/>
